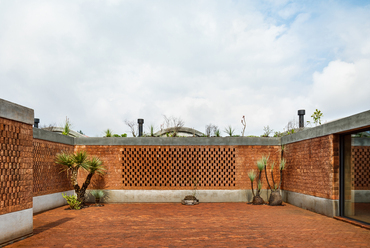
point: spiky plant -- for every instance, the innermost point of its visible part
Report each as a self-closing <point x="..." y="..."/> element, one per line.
<point x="252" y="176"/>
<point x="281" y="168"/>
<point x="67" y="127"/>
<point x="97" y="193"/>
<point x="217" y="133"/>
<point x="229" y="131"/>
<point x="108" y="133"/>
<point x="74" y="162"/>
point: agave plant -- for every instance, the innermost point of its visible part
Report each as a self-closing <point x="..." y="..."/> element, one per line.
<point x="98" y="195"/>
<point x="108" y="133"/>
<point x="74" y="162"/>
<point x="229" y="131"/>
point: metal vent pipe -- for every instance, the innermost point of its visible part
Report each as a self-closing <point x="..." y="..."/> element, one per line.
<point x="36" y="122"/>
<point x="140" y="122"/>
<point x="301" y="114"/>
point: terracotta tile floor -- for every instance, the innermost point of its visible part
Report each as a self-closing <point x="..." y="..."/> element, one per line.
<point x="204" y="225"/>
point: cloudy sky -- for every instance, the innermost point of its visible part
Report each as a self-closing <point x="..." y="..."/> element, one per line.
<point x="102" y="62"/>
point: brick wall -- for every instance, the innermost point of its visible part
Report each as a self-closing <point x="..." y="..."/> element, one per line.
<point x="313" y="167"/>
<point x="177" y="167"/>
<point x="15" y="166"/>
<point x="47" y="176"/>
<point x="361" y="167"/>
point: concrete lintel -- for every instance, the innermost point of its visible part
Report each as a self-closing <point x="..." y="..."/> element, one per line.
<point x="153" y="196"/>
<point x="50" y="201"/>
<point x="201" y="141"/>
<point x="13" y="111"/>
<point x="16" y="225"/>
<point x="319" y="205"/>
<point x="347" y="124"/>
<point x="52" y="136"/>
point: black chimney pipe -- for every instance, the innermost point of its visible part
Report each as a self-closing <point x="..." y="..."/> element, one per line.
<point x="301" y="114"/>
<point x="140" y="122"/>
<point x="36" y="122"/>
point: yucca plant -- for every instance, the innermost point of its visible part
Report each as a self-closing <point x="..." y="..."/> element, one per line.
<point x="108" y="133"/>
<point x="98" y="195"/>
<point x="67" y="127"/>
<point x="252" y="176"/>
<point x="229" y="131"/>
<point x="73" y="162"/>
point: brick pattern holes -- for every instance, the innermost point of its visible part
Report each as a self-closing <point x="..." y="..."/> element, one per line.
<point x="47" y="176"/>
<point x="361" y="167"/>
<point x="15" y="166"/>
<point x="174" y="167"/>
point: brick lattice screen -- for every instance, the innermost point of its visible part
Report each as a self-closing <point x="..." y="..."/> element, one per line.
<point x="47" y="176"/>
<point x="361" y="167"/>
<point x="15" y="166"/>
<point x="178" y="167"/>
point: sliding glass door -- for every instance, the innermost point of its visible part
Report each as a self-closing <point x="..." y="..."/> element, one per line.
<point x="356" y="176"/>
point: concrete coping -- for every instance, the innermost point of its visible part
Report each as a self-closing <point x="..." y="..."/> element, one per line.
<point x="202" y="141"/>
<point x="15" y="112"/>
<point x="347" y="124"/>
<point x="52" y="136"/>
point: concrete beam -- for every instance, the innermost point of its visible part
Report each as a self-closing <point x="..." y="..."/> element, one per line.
<point x="16" y="225"/>
<point x="46" y="202"/>
<point x="201" y="141"/>
<point x="16" y="112"/>
<point x="347" y="124"/>
<point x="52" y="136"/>
<point x="315" y="204"/>
<point x="160" y="196"/>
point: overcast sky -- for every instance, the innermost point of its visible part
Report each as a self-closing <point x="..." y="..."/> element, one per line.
<point x="102" y="62"/>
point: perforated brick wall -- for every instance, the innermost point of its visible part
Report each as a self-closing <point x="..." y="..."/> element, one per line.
<point x="47" y="176"/>
<point x="178" y="167"/>
<point x="15" y="166"/>
<point x="361" y="167"/>
<point x="313" y="167"/>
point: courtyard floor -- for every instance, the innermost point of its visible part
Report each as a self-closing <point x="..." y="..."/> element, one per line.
<point x="204" y="225"/>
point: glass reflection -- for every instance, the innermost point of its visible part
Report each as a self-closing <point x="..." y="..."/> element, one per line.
<point x="357" y="176"/>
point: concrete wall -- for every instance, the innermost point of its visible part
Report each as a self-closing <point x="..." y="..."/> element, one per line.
<point x="46" y="202"/>
<point x="16" y="171"/>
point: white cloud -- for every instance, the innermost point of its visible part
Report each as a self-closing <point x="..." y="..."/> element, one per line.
<point x="100" y="62"/>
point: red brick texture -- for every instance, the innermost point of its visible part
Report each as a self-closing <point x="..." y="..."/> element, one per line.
<point x="361" y="167"/>
<point x="178" y="167"/>
<point x="47" y="176"/>
<point x="16" y="175"/>
<point x="313" y="167"/>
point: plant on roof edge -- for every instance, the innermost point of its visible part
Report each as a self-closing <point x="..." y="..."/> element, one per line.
<point x="67" y="127"/>
<point x="73" y="162"/>
<point x="229" y="131"/>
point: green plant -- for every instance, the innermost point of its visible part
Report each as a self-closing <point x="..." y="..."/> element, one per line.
<point x="74" y="162"/>
<point x="267" y="131"/>
<point x="217" y="133"/>
<point x="151" y="130"/>
<point x="316" y="116"/>
<point x="108" y="133"/>
<point x="252" y="176"/>
<point x="229" y="131"/>
<point x="124" y="135"/>
<point x="278" y="134"/>
<point x="97" y="193"/>
<point x="116" y="135"/>
<point x="72" y="201"/>
<point x="67" y="127"/>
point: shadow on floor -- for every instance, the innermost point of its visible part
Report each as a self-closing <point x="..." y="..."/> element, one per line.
<point x="40" y="229"/>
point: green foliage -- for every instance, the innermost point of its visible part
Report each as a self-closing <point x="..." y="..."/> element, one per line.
<point x="124" y="135"/>
<point x="95" y="165"/>
<point x="282" y="164"/>
<point x="253" y="136"/>
<point x="67" y="127"/>
<point x="260" y="165"/>
<point x="116" y="135"/>
<point x="267" y="131"/>
<point x="72" y="201"/>
<point x="259" y="185"/>
<point x="316" y="116"/>
<point x="252" y="175"/>
<point x="278" y="134"/>
<point x="97" y="193"/>
<point x="265" y="159"/>
<point x="272" y="165"/>
<point x="80" y="131"/>
<point x="108" y="133"/>
<point x="229" y="131"/>
<point x="151" y="131"/>
<point x="217" y="133"/>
